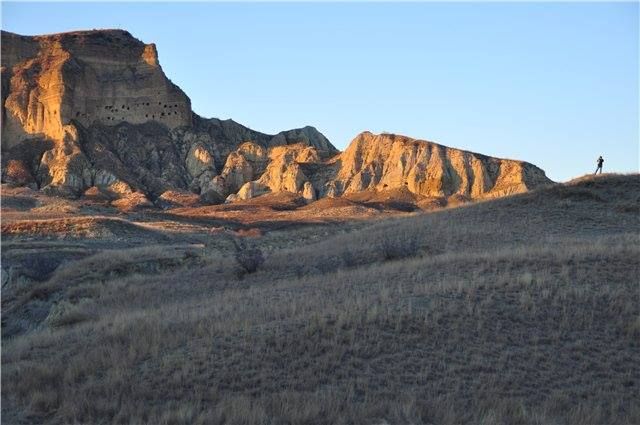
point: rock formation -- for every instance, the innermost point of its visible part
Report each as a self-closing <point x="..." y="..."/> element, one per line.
<point x="93" y="112"/>
<point x="94" y="108"/>
<point x="387" y="161"/>
<point x="106" y="77"/>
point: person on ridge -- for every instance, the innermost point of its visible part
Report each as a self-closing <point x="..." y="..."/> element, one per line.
<point x="600" y="161"/>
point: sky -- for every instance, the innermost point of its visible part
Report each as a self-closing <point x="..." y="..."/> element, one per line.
<point x="555" y="84"/>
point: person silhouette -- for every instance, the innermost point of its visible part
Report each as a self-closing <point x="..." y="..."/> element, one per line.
<point x="600" y="161"/>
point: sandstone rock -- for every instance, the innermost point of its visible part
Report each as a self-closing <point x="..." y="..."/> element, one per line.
<point x="235" y="135"/>
<point x="332" y="190"/>
<point x="98" y="102"/>
<point x="65" y="168"/>
<point x="252" y="190"/>
<point x="94" y="109"/>
<point x="284" y="173"/>
<point x="308" y="136"/>
<point x="199" y="161"/>
<point x="308" y="192"/>
<point x="252" y="152"/>
<point x="232" y="198"/>
<point x="378" y="162"/>
<point x="87" y="76"/>
<point x="201" y="168"/>
<point x="243" y="165"/>
<point x="236" y="172"/>
<point x="103" y="113"/>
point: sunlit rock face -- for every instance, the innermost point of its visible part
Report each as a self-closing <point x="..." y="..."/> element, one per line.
<point x="94" y="110"/>
<point x="105" y="77"/>
<point x="284" y="172"/>
<point x="388" y="161"/>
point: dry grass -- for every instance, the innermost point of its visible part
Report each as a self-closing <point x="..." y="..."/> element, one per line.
<point x="76" y="227"/>
<point x="523" y="311"/>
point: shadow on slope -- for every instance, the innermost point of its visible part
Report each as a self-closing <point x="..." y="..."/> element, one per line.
<point x="520" y="310"/>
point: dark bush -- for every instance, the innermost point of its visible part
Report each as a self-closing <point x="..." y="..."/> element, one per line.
<point x="395" y="247"/>
<point x="249" y="259"/>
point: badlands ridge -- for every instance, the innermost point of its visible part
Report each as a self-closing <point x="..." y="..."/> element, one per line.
<point x="93" y="112"/>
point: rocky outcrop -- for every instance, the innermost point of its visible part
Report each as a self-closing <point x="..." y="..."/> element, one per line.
<point x="92" y="112"/>
<point x="389" y="161"/>
<point x="284" y="172"/>
<point x="243" y="165"/>
<point x="94" y="108"/>
<point x="308" y="192"/>
<point x="86" y="76"/>
<point x="250" y="190"/>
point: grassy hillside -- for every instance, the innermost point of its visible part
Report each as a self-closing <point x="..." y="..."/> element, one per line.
<point x="522" y="310"/>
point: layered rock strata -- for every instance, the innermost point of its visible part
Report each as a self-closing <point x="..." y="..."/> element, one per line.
<point x="93" y="112"/>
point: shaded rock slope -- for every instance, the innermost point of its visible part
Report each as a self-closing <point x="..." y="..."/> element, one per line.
<point x="93" y="111"/>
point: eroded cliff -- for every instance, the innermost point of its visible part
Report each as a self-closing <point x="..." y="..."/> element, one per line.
<point x="388" y="162"/>
<point x="94" y="108"/>
<point x="93" y="111"/>
<point x="104" y="77"/>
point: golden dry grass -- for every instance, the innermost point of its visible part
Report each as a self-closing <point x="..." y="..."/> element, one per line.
<point x="522" y="310"/>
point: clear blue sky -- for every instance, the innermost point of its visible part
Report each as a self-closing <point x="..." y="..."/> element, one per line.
<point x="555" y="84"/>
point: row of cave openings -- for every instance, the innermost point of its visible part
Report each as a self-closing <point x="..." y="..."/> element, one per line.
<point x="169" y="110"/>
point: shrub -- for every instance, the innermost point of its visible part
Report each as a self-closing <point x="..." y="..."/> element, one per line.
<point x="248" y="258"/>
<point x="395" y="247"/>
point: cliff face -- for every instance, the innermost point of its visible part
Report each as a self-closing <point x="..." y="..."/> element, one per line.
<point x="425" y="168"/>
<point x="388" y="162"/>
<point x="94" y="110"/>
<point x="104" y="77"/>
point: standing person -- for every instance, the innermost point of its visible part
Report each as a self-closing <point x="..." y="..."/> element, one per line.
<point x="600" y="161"/>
